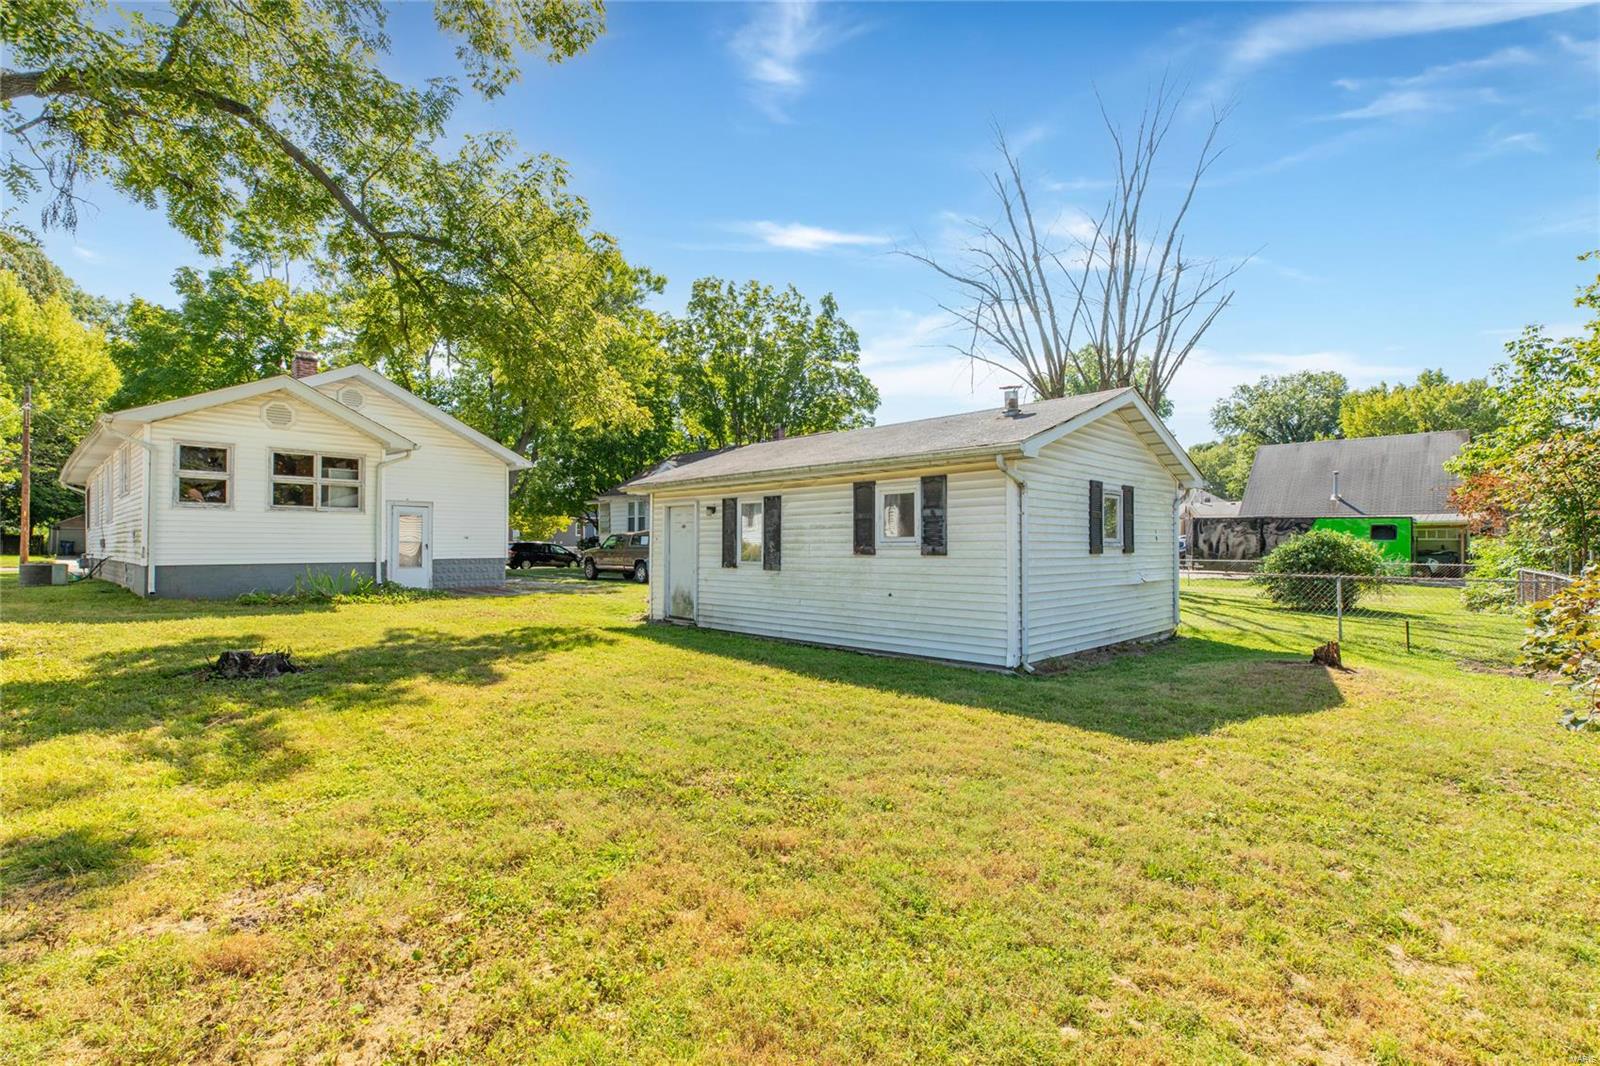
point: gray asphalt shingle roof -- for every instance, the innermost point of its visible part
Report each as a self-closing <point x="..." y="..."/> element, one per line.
<point x="1380" y="476"/>
<point x="974" y="431"/>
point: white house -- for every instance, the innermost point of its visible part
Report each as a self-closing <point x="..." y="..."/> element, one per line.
<point x="622" y="510"/>
<point x="1003" y="537"/>
<point x="250" y="487"/>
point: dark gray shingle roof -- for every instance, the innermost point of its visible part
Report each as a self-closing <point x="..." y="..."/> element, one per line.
<point x="1380" y="476"/>
<point x="974" y="431"/>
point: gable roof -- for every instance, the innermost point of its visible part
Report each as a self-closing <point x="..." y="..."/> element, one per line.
<point x="95" y="448"/>
<point x="371" y="377"/>
<point x="1391" y="476"/>
<point x="1202" y="504"/>
<point x="974" y="434"/>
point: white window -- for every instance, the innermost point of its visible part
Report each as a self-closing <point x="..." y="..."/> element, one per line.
<point x="204" y="475"/>
<point x="638" y="515"/>
<point x="899" y="510"/>
<point x="311" y="481"/>
<point x="1111" y="515"/>
<point x="750" y="538"/>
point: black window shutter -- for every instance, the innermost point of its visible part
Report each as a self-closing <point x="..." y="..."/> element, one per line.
<point x="933" y="522"/>
<point x="1097" y="538"/>
<point x="730" y="532"/>
<point x="1127" y="519"/>
<point x="865" y="497"/>
<point x="772" y="533"/>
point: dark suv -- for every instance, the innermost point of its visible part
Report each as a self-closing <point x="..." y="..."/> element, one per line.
<point x="624" y="553"/>
<point x="525" y="553"/>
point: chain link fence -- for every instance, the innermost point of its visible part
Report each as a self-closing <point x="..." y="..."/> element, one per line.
<point x="1462" y="618"/>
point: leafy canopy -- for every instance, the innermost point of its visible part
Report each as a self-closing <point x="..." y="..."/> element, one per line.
<point x="72" y="377"/>
<point x="1285" y="409"/>
<point x="754" y="362"/>
<point x="229" y="328"/>
<point x="1433" y="402"/>
<point x="1225" y="464"/>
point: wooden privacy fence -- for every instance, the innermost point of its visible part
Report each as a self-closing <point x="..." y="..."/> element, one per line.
<point x="1536" y="585"/>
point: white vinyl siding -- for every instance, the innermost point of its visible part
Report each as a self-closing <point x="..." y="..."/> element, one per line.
<point x="1076" y="600"/>
<point x="249" y="530"/>
<point x="114" y="519"/>
<point x="956" y="606"/>
<point x="466" y="485"/>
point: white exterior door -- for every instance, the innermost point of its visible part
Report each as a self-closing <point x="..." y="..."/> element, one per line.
<point x="411" y="544"/>
<point x="682" y="562"/>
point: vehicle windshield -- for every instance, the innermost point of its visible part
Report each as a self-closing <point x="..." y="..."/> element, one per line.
<point x="612" y="541"/>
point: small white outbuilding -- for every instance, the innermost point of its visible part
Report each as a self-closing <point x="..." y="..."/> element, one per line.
<point x="254" y="486"/>
<point x="1003" y="537"/>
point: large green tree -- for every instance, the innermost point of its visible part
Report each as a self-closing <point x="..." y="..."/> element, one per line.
<point x="1225" y="464"/>
<point x="43" y="344"/>
<point x="1538" y="472"/>
<point x="1433" y="402"/>
<point x="270" y="127"/>
<point x="229" y="327"/>
<point x="753" y="362"/>
<point x="1285" y="409"/>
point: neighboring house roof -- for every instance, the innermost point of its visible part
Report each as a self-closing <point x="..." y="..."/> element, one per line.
<point x="976" y="434"/>
<point x="671" y="462"/>
<point x="1379" y="476"/>
<point x="1202" y="504"/>
<point x="105" y="439"/>
<point x="369" y="376"/>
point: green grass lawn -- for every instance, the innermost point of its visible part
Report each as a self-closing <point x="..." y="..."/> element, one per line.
<point x="10" y="562"/>
<point x="533" y="828"/>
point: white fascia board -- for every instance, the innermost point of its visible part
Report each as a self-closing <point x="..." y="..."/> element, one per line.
<point x="371" y="377"/>
<point x="823" y="471"/>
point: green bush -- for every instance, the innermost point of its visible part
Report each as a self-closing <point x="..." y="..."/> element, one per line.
<point x="1564" y="637"/>
<point x="1319" y="551"/>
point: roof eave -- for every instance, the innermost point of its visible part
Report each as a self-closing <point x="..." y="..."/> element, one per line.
<point x="424" y="408"/>
<point x="647" y="486"/>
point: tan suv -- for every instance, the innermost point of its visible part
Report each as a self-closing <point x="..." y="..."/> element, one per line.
<point x="624" y="553"/>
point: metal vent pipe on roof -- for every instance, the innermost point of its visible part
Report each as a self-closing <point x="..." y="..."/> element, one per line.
<point x="1335" y="497"/>
<point x="1010" y="392"/>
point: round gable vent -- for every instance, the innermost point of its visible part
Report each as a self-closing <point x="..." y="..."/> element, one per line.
<point x="277" y="414"/>
<point x="351" y="397"/>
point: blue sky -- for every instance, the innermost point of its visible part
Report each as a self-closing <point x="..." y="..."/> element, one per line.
<point x="1414" y="181"/>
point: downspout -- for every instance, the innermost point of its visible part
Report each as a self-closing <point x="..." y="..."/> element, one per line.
<point x="147" y="518"/>
<point x="379" y="541"/>
<point x="1022" y="561"/>
<point x="1177" y="506"/>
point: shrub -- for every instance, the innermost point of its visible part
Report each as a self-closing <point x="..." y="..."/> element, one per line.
<point x="1319" y="551"/>
<point x="1564" y="636"/>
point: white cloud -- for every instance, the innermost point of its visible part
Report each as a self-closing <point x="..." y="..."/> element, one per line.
<point x="1511" y="142"/>
<point x="1497" y="60"/>
<point x="1399" y="102"/>
<point x="909" y="358"/>
<point x="774" y="47"/>
<point x="1327" y="24"/>
<point x="88" y="255"/>
<point x="799" y="237"/>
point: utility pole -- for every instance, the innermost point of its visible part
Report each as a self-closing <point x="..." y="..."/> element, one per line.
<point x="27" y="472"/>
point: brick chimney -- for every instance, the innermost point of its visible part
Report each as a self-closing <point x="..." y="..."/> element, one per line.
<point x="305" y="364"/>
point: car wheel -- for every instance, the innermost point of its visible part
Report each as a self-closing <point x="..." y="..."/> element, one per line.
<point x="641" y="573"/>
<point x="590" y="570"/>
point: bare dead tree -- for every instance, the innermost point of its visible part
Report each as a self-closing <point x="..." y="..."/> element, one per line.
<point x="1112" y="302"/>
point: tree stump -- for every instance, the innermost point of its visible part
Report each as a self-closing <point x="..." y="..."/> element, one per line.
<point x="1328" y="655"/>
<point x="235" y="664"/>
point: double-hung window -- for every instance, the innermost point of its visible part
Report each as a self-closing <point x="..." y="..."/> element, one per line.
<point x="1111" y="515"/>
<point x="898" y="511"/>
<point x="750" y="528"/>
<point x="204" y="475"/>
<point x="638" y="516"/>
<point x="311" y="481"/>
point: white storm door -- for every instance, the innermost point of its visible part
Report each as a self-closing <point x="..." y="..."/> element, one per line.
<point x="682" y="562"/>
<point x="411" y="544"/>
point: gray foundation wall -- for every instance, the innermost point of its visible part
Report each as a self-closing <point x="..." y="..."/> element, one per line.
<point x="222" y="582"/>
<point x="460" y="573"/>
<point x="130" y="576"/>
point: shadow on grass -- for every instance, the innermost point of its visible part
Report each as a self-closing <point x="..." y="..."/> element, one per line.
<point x="1183" y="687"/>
<point x="214" y="731"/>
<point x="71" y="860"/>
